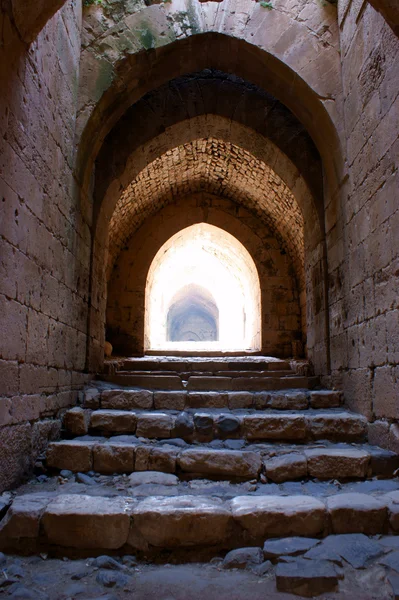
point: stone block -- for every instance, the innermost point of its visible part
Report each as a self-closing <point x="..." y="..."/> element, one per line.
<point x="290" y="546"/>
<point x="274" y="427"/>
<point x="225" y="463"/>
<point x="227" y="425"/>
<point x="184" y="426"/>
<point x="155" y="425"/>
<point x="243" y="558"/>
<point x="113" y="458"/>
<point x="325" y="399"/>
<point x="279" y="516"/>
<point x="238" y="400"/>
<point x="87" y="522"/>
<point x="184" y="521"/>
<point x="357" y="513"/>
<point x="337" y="463"/>
<point x="127" y="399"/>
<point x="114" y="421"/>
<point x="162" y="459"/>
<point x="207" y="400"/>
<point x="91" y="398"/>
<point x="70" y="455"/>
<point x="76" y="421"/>
<point x="392" y="499"/>
<point x="289" y="401"/>
<point x="23" y="518"/>
<point x="208" y="383"/>
<point x="306" y="578"/>
<point x="286" y="467"/>
<point x="170" y="400"/>
<point x="378" y="433"/>
<point x="343" y="427"/>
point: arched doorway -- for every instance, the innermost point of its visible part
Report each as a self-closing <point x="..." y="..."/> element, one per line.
<point x="203" y="293"/>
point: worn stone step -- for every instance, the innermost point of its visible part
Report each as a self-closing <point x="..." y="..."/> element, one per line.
<point x="213" y="383"/>
<point x="179" y="364"/>
<point x="295" y="399"/>
<point x="185" y="375"/>
<point x="122" y="524"/>
<point x="206" y="425"/>
<point x="276" y="463"/>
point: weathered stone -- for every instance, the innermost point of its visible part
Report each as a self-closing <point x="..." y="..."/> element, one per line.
<point x="286" y="467"/>
<point x="145" y="477"/>
<point x="325" y="399"/>
<point x="392" y="498"/>
<point x="170" y="400"/>
<point x="274" y="427"/>
<point x="278" y="516"/>
<point x="77" y="420"/>
<point x="207" y="383"/>
<point x="23" y="518"/>
<point x="184" y="425"/>
<point x="87" y="522"/>
<point x="290" y="546"/>
<point x="71" y="455"/>
<point x="203" y="424"/>
<point x="357" y="513"/>
<point x="156" y="459"/>
<point x="85" y="479"/>
<point x="307" y="578"/>
<point x="225" y="463"/>
<point x="154" y="425"/>
<point x="383" y="463"/>
<point x="113" y="458"/>
<point x="240" y="400"/>
<point x="227" y="425"/>
<point x="391" y="561"/>
<point x="336" y="463"/>
<point x="289" y="401"/>
<point x="207" y="400"/>
<point x="243" y="558"/>
<point x="114" y="421"/>
<point x="91" y="398"/>
<point x="357" y="549"/>
<point x="182" y="521"/>
<point x="127" y="399"/>
<point x="113" y="580"/>
<point x="337" y="426"/>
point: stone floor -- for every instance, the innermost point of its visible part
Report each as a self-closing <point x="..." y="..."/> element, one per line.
<point x="45" y="578"/>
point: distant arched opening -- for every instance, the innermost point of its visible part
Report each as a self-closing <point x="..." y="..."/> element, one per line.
<point x="203" y="293"/>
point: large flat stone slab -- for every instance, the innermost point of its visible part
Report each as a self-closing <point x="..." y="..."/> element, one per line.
<point x="357" y="549"/>
<point x="113" y="458"/>
<point x="325" y="399"/>
<point x="286" y="467"/>
<point x="87" y="522"/>
<point x="337" y="463"/>
<point x="23" y="518"/>
<point x="307" y="578"/>
<point x="357" y="513"/>
<point x="289" y="546"/>
<point x="155" y="425"/>
<point x="279" y="516"/>
<point x="231" y="463"/>
<point x="181" y="521"/>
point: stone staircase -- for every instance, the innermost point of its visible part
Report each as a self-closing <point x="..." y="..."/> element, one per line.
<point x="197" y="455"/>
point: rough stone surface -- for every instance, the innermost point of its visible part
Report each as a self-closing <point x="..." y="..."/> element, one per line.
<point x="126" y="400"/>
<point x="115" y="458"/>
<point x="74" y="456"/>
<point x="87" y="522"/>
<point x="288" y="546"/>
<point x="277" y="516"/>
<point x="307" y="578"/>
<point x="152" y="477"/>
<point x="220" y="462"/>
<point x="243" y="558"/>
<point x="76" y="421"/>
<point x="286" y="467"/>
<point x="333" y="463"/>
<point x="357" y="513"/>
<point x="113" y="421"/>
<point x="271" y="427"/>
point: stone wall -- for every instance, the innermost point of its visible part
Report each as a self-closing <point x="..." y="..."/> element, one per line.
<point x="43" y="243"/>
<point x="365" y="287"/>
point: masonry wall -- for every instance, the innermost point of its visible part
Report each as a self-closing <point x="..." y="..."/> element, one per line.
<point x="365" y="315"/>
<point x="44" y="246"/>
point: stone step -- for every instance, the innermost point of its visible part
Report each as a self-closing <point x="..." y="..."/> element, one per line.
<point x="179" y="364"/>
<point x="277" y="463"/>
<point x="208" y="424"/>
<point x="125" y="399"/>
<point x="184" y="375"/>
<point x="123" y="524"/>
<point x="213" y="383"/>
